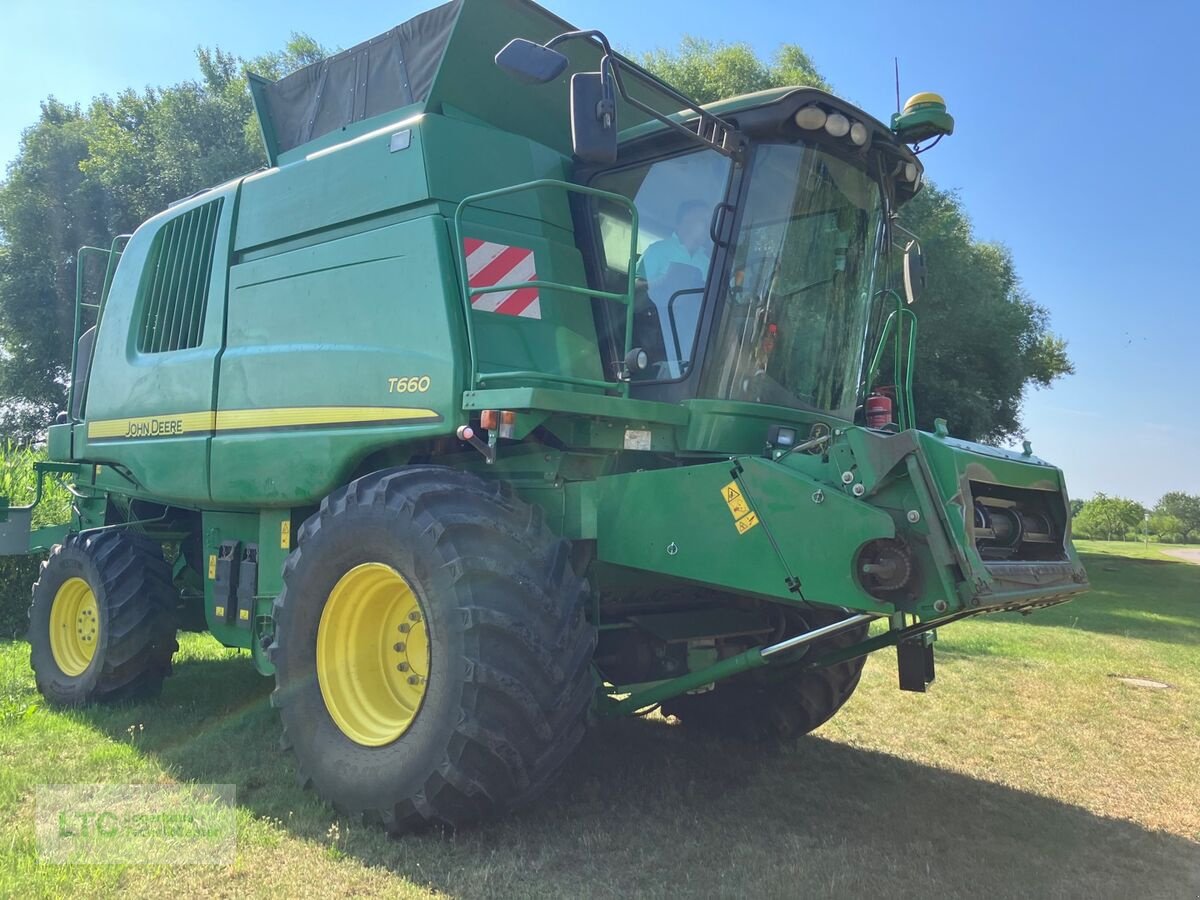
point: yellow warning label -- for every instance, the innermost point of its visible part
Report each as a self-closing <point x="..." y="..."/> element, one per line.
<point x="244" y="614"/>
<point x="285" y="534"/>
<point x="743" y="518"/>
<point x="220" y="611"/>
<point x="212" y="567"/>
<point x="746" y="522"/>
<point x="734" y="500"/>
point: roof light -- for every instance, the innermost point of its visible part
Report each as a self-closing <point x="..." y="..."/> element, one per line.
<point x="810" y="118"/>
<point x="837" y="125"/>
<point x="858" y="134"/>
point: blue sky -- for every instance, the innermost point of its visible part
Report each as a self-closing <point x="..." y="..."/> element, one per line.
<point x="1074" y="145"/>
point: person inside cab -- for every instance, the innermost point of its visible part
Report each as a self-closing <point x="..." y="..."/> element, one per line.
<point x="672" y="272"/>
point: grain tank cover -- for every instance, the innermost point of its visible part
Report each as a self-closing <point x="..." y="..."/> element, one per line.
<point x="390" y="71"/>
<point x="440" y="61"/>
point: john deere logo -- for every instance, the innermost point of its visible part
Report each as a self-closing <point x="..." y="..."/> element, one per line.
<point x="141" y="428"/>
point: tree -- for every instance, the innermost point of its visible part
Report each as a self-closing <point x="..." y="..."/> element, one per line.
<point x="982" y="340"/>
<point x="1184" y="508"/>
<point x="1076" y="506"/>
<point x="1108" y="518"/>
<point x="708" y="71"/>
<point x="83" y="175"/>
<point x="1168" y="529"/>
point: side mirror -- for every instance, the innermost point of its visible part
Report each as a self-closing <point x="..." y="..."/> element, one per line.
<point x="914" y="272"/>
<point x="593" y="118"/>
<point x="530" y="63"/>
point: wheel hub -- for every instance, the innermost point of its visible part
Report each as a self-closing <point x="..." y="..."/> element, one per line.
<point x="372" y="654"/>
<point x="74" y="626"/>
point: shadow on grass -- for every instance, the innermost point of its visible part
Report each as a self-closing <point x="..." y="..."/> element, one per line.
<point x="644" y="809"/>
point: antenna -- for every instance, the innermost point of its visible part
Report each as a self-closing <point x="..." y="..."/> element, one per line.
<point x="896" y="62"/>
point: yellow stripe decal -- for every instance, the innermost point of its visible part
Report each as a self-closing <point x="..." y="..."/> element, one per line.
<point x="183" y="424"/>
<point x="169" y="425"/>
<point x="230" y="419"/>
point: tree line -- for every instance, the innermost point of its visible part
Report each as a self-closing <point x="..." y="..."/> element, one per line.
<point x="86" y="173"/>
<point x="1175" y="519"/>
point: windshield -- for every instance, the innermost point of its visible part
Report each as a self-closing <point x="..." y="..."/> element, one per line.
<point x="794" y="325"/>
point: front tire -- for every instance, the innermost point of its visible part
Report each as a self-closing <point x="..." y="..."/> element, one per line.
<point x="472" y="707"/>
<point x="102" y="626"/>
<point x="776" y="703"/>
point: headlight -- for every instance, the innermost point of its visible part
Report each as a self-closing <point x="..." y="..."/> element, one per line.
<point x="858" y="134"/>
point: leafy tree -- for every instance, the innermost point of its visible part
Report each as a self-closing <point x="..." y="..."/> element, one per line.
<point x="1076" y="506"/>
<point x="1169" y="529"/>
<point x="82" y="175"/>
<point x="708" y="71"/>
<point x="982" y="340"/>
<point x="1183" y="507"/>
<point x="1108" y="518"/>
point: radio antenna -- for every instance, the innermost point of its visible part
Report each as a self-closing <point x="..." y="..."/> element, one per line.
<point x="896" y="62"/>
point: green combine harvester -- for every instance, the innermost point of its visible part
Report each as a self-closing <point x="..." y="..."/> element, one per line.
<point x="519" y="391"/>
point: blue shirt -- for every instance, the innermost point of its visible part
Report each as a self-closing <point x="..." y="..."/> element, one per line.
<point x="658" y="258"/>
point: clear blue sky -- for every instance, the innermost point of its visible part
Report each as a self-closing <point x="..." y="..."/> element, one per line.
<point x="1076" y="133"/>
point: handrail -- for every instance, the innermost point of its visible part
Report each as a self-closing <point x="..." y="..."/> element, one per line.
<point x="110" y="268"/>
<point x="902" y="373"/>
<point x="82" y="255"/>
<point x="474" y="377"/>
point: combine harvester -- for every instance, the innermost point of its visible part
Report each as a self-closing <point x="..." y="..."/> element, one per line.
<point x="520" y="391"/>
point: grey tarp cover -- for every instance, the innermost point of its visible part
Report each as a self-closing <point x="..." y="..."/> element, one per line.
<point x="387" y="72"/>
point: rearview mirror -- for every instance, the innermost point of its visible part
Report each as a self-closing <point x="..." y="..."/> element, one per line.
<point x="593" y="118"/>
<point x="914" y="272"/>
<point x="530" y="63"/>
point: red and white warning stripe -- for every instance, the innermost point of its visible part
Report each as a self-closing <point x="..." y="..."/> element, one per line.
<point x="490" y="264"/>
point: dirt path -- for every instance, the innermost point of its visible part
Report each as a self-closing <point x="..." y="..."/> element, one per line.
<point x="1192" y="556"/>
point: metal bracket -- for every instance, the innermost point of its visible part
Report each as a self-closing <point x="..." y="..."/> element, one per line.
<point x="467" y="434"/>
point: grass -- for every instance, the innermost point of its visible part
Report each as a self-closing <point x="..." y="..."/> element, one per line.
<point x="18" y="483"/>
<point x="1027" y="769"/>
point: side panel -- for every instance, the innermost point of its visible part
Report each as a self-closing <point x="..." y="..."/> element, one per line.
<point x="334" y="351"/>
<point x="526" y="236"/>
<point x="365" y="175"/>
<point x="685" y="523"/>
<point x="151" y="412"/>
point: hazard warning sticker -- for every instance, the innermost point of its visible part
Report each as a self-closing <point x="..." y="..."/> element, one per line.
<point x="492" y="265"/>
<point x="743" y="518"/>
<point x="746" y="522"/>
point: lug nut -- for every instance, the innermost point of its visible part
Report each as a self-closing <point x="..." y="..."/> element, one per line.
<point x="847" y="477"/>
<point x="404" y="628"/>
<point x="858" y="490"/>
<point x="402" y="667"/>
<point x="414" y="616"/>
<point x="414" y="679"/>
<point x="399" y="648"/>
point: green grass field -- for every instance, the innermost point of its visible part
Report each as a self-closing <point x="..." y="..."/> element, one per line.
<point x="1029" y="769"/>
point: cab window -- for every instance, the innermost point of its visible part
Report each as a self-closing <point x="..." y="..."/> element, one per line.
<point x="675" y="200"/>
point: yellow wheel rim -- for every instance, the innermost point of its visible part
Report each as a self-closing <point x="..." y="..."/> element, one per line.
<point x="74" y="626"/>
<point x="372" y="654"/>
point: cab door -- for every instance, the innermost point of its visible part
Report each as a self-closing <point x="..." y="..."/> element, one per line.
<point x="149" y="406"/>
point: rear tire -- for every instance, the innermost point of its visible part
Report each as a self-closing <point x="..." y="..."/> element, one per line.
<point x="101" y="626"/>
<point x="508" y="670"/>
<point x="776" y="702"/>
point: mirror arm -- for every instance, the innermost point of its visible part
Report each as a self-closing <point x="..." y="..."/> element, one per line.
<point x="723" y="134"/>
